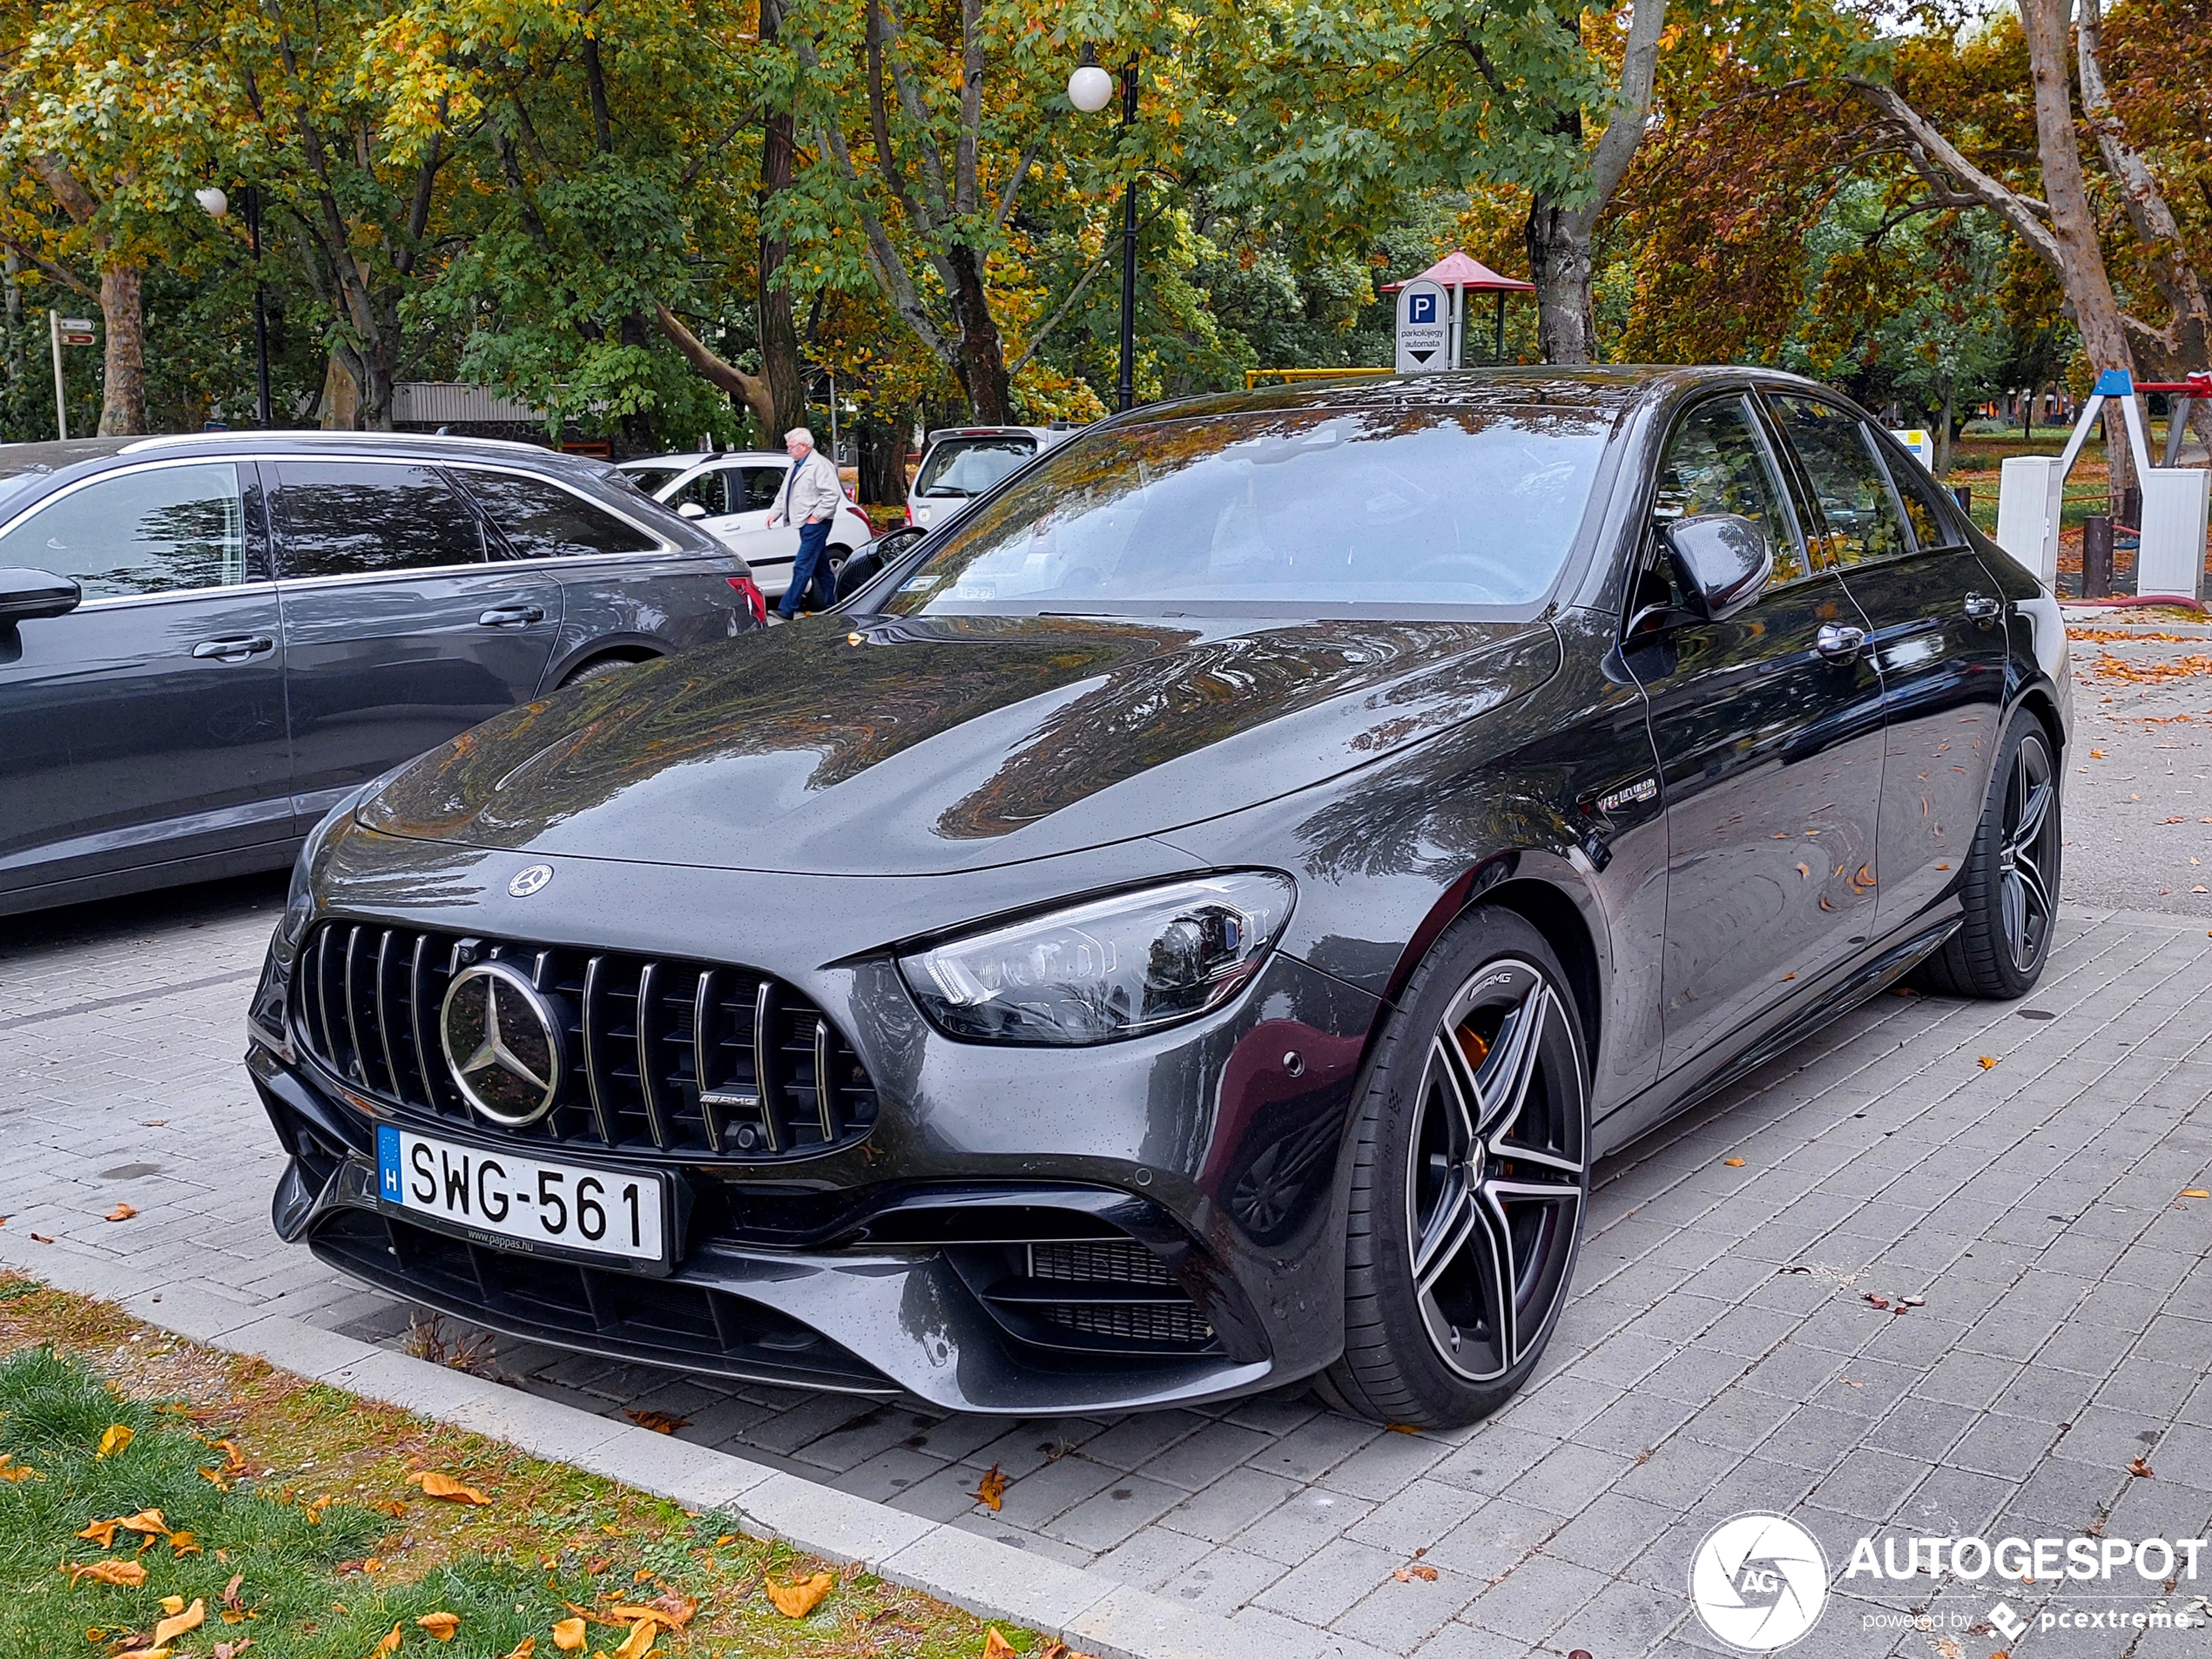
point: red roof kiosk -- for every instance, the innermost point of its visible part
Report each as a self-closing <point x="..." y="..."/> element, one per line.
<point x="1463" y="276"/>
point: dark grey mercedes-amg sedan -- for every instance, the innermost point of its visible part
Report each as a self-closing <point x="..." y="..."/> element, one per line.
<point x="1188" y="925"/>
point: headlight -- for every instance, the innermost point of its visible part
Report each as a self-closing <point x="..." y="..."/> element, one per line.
<point x="300" y="901"/>
<point x="1115" y="968"/>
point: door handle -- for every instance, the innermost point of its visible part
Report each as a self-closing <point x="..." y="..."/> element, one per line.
<point x="234" y="647"/>
<point x="1839" y="644"/>
<point x="1981" y="608"/>
<point x="510" y="617"/>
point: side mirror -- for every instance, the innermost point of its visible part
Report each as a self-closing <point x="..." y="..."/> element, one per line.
<point x="27" y="594"/>
<point x="691" y="509"/>
<point x="1722" y="560"/>
<point x="868" y="562"/>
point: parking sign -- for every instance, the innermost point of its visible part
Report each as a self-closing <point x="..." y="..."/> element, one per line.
<point x="1424" y="329"/>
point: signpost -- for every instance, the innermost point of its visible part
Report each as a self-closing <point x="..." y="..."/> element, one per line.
<point x="1424" y="329"/>
<point x="66" y="331"/>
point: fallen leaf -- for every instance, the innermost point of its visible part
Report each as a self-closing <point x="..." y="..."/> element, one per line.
<point x="727" y="1538"/>
<point x="12" y="1472"/>
<point x="40" y="1238"/>
<point x="1407" y="1574"/>
<point x="121" y="1212"/>
<point x="521" y="1650"/>
<point x="1913" y="1301"/>
<point x="991" y="1489"/>
<point x="1878" y="1301"/>
<point x="145" y="1653"/>
<point x="2195" y="1193"/>
<point x="129" y="1574"/>
<point x="117" y="1439"/>
<point x="1402" y="1429"/>
<point x="2096" y="755"/>
<point x="568" y="1635"/>
<point x="172" y="1604"/>
<point x="441" y="1625"/>
<point x="435" y="1485"/>
<point x="1988" y="1062"/>
<point x="994" y="1645"/>
<point x="190" y="1619"/>
<point x="392" y="1507"/>
<point x="641" y="1575"/>
<point x="598" y="1564"/>
<point x="659" y="1422"/>
<point x="182" y="1543"/>
<point x="2140" y="1469"/>
<point x="390" y="1643"/>
<point x="231" y="1602"/>
<point x="639" y="1643"/>
<point x="797" y="1600"/>
<point x="673" y="1610"/>
<point x="1733" y="1163"/>
<point x="231" y="1650"/>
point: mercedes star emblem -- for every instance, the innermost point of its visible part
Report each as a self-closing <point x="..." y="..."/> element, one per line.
<point x="529" y="881"/>
<point x="503" y="1043"/>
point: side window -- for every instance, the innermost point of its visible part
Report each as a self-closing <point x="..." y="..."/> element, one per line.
<point x="756" y="489"/>
<point x="706" y="491"/>
<point x="359" y="517"/>
<point x="1859" y="512"/>
<point x="164" y="529"/>
<point x="542" y="521"/>
<point x="1932" y="522"/>
<point x="1715" y="463"/>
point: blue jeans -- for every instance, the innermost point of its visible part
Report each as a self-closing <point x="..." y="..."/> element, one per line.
<point x="810" y="570"/>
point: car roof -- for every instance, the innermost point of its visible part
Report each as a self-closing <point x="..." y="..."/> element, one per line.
<point x="79" y="455"/>
<point x="701" y="457"/>
<point x="1603" y="388"/>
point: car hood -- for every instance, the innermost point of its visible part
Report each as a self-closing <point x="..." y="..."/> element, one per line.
<point x="928" y="746"/>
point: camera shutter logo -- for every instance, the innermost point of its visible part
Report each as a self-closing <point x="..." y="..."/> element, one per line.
<point x="1758" y="1582"/>
<point x="503" y="1043"/>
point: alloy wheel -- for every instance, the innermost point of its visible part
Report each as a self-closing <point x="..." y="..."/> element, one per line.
<point x="2026" y="853"/>
<point x="1500" y="1169"/>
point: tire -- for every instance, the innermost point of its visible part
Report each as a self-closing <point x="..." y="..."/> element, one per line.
<point x="2010" y="886"/>
<point x="606" y="668"/>
<point x="1444" y="1352"/>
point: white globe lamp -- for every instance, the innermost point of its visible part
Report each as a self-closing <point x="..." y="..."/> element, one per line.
<point x="1089" y="89"/>
<point x="212" y="202"/>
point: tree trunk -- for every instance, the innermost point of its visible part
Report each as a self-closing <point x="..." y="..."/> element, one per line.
<point x="1559" y="264"/>
<point x="1943" y="432"/>
<point x="883" y="462"/>
<point x="123" y="401"/>
<point x="339" y="405"/>
<point x="980" y="363"/>
<point x="2081" y="259"/>
<point x="778" y="335"/>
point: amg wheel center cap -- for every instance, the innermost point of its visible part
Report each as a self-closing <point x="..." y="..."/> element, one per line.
<point x="503" y="1043"/>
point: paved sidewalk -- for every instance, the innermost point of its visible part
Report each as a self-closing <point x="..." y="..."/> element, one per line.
<point x="1719" y="1353"/>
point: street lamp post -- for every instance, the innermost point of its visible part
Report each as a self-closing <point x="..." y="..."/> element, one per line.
<point x="1089" y="90"/>
<point x="215" y="204"/>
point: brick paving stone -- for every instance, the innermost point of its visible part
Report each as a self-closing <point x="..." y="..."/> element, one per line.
<point x="1695" y="1374"/>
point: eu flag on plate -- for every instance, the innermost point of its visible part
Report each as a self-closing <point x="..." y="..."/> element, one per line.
<point x="387" y="1162"/>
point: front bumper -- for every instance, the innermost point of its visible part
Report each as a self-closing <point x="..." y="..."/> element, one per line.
<point x="1023" y="1231"/>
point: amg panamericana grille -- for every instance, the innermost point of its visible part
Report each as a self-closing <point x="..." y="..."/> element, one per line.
<point x="693" y="1058"/>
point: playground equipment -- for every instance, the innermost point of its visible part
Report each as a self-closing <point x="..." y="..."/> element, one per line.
<point x="2169" y="558"/>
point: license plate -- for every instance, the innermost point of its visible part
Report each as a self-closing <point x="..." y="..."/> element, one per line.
<point x="531" y="1201"/>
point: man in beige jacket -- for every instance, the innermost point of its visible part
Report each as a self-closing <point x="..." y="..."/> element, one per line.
<point x="810" y="497"/>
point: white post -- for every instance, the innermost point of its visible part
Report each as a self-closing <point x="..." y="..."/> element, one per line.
<point x="1459" y="321"/>
<point x="61" y="390"/>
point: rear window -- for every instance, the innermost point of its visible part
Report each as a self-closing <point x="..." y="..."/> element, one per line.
<point x="1315" y="510"/>
<point x="649" y="479"/>
<point x="957" y="467"/>
<point x="540" y="520"/>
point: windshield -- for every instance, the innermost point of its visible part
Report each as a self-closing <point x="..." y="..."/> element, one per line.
<point x="960" y="467"/>
<point x="1424" y="507"/>
<point x="649" y="479"/>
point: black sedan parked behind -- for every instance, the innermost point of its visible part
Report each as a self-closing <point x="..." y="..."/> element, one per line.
<point x="1189" y="925"/>
<point x="205" y="641"/>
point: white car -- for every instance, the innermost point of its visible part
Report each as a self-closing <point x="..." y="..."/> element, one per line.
<point x="961" y="462"/>
<point x="734" y="493"/>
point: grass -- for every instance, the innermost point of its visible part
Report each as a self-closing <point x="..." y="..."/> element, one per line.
<point x="330" y="1548"/>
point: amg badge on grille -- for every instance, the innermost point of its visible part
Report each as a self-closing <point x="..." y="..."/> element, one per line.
<point x="502" y="1043"/>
